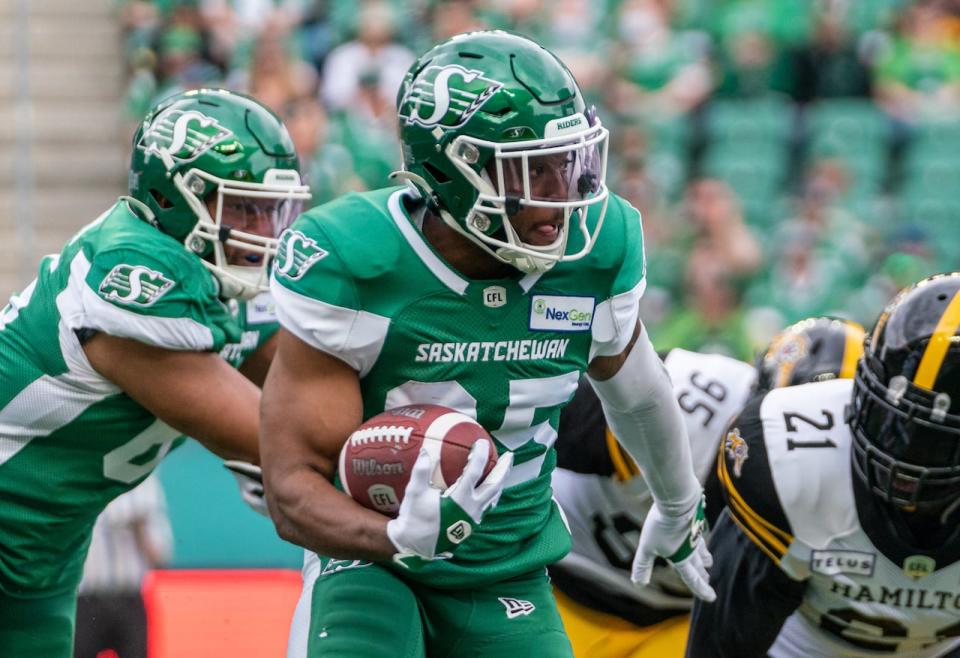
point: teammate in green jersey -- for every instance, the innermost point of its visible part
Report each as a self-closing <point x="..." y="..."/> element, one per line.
<point x="111" y="355"/>
<point x="490" y="284"/>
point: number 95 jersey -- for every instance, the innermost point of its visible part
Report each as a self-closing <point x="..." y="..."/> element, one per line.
<point x="355" y="278"/>
<point x="859" y="590"/>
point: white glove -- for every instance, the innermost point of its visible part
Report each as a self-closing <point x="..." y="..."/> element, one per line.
<point x="679" y="539"/>
<point x="250" y="480"/>
<point x="431" y="524"/>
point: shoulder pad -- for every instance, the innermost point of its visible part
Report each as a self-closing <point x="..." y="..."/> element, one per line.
<point x="165" y="302"/>
<point x="360" y="229"/>
<point x="620" y="239"/>
<point x="747" y="481"/>
<point x="807" y="444"/>
<point x="710" y="389"/>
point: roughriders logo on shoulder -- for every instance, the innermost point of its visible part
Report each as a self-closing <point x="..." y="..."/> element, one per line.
<point x="135" y="285"/>
<point x="296" y="254"/>
<point x="446" y="96"/>
<point x="185" y="135"/>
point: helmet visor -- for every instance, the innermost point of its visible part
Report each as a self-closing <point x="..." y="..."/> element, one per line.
<point x="242" y="219"/>
<point x="554" y="175"/>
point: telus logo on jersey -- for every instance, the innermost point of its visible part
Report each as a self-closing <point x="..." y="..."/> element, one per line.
<point x="561" y="313"/>
<point x="446" y="96"/>
<point x="297" y="253"/>
<point x="831" y="563"/>
<point x="134" y="285"/>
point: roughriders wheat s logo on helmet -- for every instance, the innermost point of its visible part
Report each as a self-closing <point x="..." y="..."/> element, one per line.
<point x="185" y="135"/>
<point x="446" y="96"/>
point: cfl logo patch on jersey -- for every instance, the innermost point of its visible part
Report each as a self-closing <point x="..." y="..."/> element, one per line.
<point x="918" y="566"/>
<point x="185" y="135"/>
<point x="516" y="607"/>
<point x="561" y="313"/>
<point x="446" y="96"/>
<point x="494" y="296"/>
<point x="297" y="253"/>
<point x="736" y="449"/>
<point x="134" y="285"/>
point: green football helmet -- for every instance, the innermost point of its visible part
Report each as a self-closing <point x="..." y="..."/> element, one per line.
<point x="482" y="116"/>
<point x="207" y="142"/>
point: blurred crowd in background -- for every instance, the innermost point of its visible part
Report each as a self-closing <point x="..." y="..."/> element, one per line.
<point x="790" y="157"/>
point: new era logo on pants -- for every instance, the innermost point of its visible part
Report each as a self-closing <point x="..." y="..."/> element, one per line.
<point x="516" y="607"/>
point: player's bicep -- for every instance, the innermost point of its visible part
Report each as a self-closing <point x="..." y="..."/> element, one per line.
<point x="255" y="366"/>
<point x="196" y="393"/>
<point x="311" y="403"/>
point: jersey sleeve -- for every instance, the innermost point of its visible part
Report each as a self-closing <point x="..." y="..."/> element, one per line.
<point x="616" y="315"/>
<point x="153" y="296"/>
<point x="754" y="598"/>
<point x="745" y="477"/>
<point x="317" y="299"/>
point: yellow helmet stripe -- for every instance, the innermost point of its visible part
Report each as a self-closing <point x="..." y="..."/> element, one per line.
<point x="852" y="350"/>
<point x="939" y="343"/>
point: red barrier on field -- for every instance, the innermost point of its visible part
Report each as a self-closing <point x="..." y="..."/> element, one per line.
<point x="219" y="614"/>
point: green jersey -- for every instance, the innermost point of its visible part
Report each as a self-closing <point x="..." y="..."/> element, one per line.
<point x="70" y="440"/>
<point x="355" y="278"/>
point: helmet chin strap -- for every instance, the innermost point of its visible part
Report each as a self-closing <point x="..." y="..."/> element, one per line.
<point x="236" y="282"/>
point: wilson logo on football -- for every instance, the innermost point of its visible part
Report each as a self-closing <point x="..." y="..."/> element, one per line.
<point x="297" y="253"/>
<point x="134" y="285"/>
<point x="446" y="96"/>
<point x="185" y="135"/>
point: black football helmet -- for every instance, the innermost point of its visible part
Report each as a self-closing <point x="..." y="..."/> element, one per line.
<point x="905" y="415"/>
<point x="812" y="350"/>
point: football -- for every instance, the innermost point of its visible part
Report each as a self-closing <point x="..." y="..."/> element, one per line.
<point x="376" y="460"/>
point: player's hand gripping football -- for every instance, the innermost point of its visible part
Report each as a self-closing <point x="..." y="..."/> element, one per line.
<point x="431" y="523"/>
<point x="250" y="480"/>
<point x="678" y="539"/>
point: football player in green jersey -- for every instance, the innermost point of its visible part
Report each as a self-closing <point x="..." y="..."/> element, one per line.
<point x="111" y="355"/>
<point x="491" y="283"/>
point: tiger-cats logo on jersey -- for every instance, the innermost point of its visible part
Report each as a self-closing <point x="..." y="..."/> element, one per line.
<point x="296" y="254"/>
<point x="736" y="449"/>
<point x="134" y="285"/>
<point x="184" y="134"/>
<point x="446" y="96"/>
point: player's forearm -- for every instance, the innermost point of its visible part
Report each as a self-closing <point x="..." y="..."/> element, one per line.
<point x="754" y="599"/>
<point x="310" y="512"/>
<point x="641" y="410"/>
